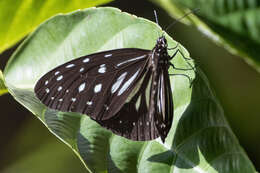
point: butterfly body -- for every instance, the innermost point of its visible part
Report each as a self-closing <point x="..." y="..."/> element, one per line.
<point x="125" y="90"/>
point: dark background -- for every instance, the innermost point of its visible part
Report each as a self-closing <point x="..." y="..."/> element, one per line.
<point x="25" y="141"/>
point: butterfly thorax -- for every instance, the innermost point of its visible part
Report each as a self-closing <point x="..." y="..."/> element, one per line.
<point x="161" y="50"/>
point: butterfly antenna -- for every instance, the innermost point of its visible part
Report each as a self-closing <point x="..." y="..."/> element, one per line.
<point x="178" y="20"/>
<point x="156" y="19"/>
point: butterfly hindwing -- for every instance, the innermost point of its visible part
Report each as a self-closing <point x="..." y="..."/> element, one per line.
<point x="164" y="104"/>
<point x="96" y="85"/>
<point x="133" y="120"/>
<point x="148" y="110"/>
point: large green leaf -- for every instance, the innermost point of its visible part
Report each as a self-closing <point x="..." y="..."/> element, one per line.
<point x="3" y="89"/>
<point x="18" y="18"/>
<point x="200" y="139"/>
<point x="233" y="24"/>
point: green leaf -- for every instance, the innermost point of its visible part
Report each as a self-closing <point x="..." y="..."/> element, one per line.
<point x="18" y="18"/>
<point x="232" y="24"/>
<point x="3" y="89"/>
<point x="200" y="139"/>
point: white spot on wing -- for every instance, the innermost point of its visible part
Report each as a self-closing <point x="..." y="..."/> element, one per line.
<point x="133" y="59"/>
<point x="67" y="91"/>
<point x="82" y="87"/>
<point x="108" y="55"/>
<point x="81" y="69"/>
<point x="52" y="98"/>
<point x="60" y="100"/>
<point x="59" y="78"/>
<point x="70" y="65"/>
<point x="163" y="125"/>
<point x="89" y="102"/>
<point x="102" y="69"/>
<point x="59" y="88"/>
<point x="56" y="73"/>
<point x="128" y="83"/>
<point x="118" y="82"/>
<point x="73" y="99"/>
<point x="98" y="88"/>
<point x="47" y="90"/>
<point x="86" y="60"/>
<point x="46" y="82"/>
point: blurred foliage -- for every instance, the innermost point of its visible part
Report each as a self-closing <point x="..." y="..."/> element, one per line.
<point x="233" y="24"/>
<point x="200" y="138"/>
<point x="30" y="152"/>
<point x="3" y="89"/>
<point x="20" y="17"/>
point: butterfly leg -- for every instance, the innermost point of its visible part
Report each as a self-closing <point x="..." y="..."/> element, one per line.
<point x="190" y="80"/>
<point x="173" y="47"/>
<point x="178" y="51"/>
<point x="184" y="69"/>
<point x="186" y="59"/>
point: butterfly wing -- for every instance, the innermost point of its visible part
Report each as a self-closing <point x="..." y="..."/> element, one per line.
<point x="133" y="121"/>
<point x="164" y="104"/>
<point x="148" y="110"/>
<point x="96" y="84"/>
<point x="116" y="89"/>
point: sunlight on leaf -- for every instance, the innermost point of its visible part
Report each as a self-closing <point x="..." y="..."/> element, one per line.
<point x="18" y="18"/>
<point x="200" y="139"/>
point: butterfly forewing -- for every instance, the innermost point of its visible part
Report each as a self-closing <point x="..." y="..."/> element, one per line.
<point x="96" y="85"/>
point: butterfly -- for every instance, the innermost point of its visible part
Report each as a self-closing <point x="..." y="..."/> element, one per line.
<point x="125" y="90"/>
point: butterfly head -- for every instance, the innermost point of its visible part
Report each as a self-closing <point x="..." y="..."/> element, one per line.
<point x="161" y="47"/>
<point x="161" y="44"/>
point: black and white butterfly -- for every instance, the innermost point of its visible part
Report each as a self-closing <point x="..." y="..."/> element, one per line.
<point x="125" y="90"/>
